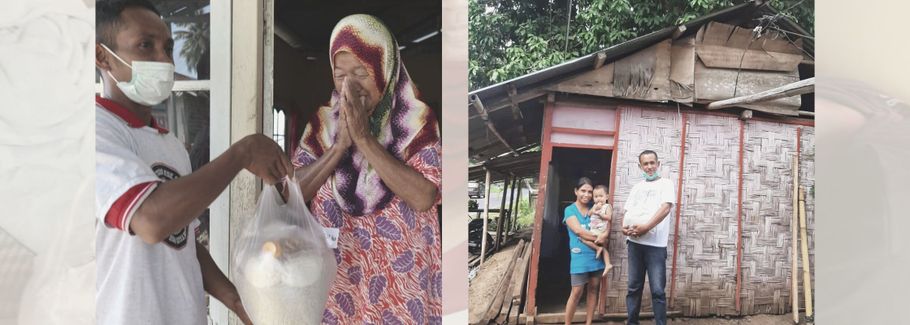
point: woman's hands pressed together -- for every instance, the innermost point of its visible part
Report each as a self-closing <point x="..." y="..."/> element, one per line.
<point x="404" y="181"/>
<point x="354" y="112"/>
<point x="343" y="137"/>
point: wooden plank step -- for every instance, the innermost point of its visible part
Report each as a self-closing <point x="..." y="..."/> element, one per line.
<point x="559" y="318"/>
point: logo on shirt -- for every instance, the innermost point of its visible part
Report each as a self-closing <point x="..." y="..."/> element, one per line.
<point x="164" y="172"/>
<point x="576" y="250"/>
<point x="178" y="239"/>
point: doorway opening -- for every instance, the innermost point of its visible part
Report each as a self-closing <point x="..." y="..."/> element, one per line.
<point x="566" y="167"/>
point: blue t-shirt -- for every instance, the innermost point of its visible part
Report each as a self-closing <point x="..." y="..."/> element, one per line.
<point x="582" y="258"/>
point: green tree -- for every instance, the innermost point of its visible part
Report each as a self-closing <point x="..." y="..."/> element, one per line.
<point x="509" y="38"/>
<point x="196" y="42"/>
<point x="525" y="214"/>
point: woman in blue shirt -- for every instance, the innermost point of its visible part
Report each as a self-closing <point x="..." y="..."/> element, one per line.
<point x="584" y="267"/>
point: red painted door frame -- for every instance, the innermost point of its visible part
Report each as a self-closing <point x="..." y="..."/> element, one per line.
<point x="546" y="154"/>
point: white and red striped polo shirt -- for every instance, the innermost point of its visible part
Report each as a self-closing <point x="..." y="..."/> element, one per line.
<point x="138" y="283"/>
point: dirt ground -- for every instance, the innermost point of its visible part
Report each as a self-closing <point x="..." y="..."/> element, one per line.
<point x="748" y="320"/>
<point x="481" y="288"/>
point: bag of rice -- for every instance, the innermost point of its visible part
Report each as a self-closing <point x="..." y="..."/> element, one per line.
<point x="282" y="266"/>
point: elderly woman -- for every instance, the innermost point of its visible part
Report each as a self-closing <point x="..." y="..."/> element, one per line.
<point x="369" y="163"/>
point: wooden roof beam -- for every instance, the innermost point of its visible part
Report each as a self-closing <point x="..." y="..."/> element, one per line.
<point x="482" y="154"/>
<point x="679" y="31"/>
<point x="516" y="111"/>
<point x="478" y="105"/>
<point x="793" y="89"/>
<point x="522" y="97"/>
<point x="513" y="101"/>
<point x="599" y="61"/>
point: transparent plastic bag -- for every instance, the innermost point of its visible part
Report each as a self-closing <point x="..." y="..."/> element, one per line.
<point x="283" y="266"/>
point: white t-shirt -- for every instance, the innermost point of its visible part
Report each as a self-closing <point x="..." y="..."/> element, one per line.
<point x="644" y="201"/>
<point x="138" y="283"/>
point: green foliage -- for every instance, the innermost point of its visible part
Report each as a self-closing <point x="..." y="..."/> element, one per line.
<point x="525" y="216"/>
<point x="510" y="38"/>
<point x="525" y="213"/>
<point x="525" y="210"/>
<point x="196" y="37"/>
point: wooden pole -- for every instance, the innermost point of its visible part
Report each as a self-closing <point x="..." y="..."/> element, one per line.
<point x="507" y="213"/>
<point x="486" y="218"/>
<point x="794" y="287"/>
<point x="679" y="190"/>
<point x="500" y="222"/>
<point x="614" y="153"/>
<point x="807" y="276"/>
<point x="797" y="88"/>
<point x="509" y="221"/>
<point x="517" y="204"/>
<point x="546" y="152"/>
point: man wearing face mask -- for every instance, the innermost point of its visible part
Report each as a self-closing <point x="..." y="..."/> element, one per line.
<point x="150" y="268"/>
<point x="647" y="228"/>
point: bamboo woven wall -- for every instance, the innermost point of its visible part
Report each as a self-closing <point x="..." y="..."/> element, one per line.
<point x="639" y="129"/>
<point x="767" y="213"/>
<point x="706" y="261"/>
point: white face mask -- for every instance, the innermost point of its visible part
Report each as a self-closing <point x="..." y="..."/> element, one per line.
<point x="151" y="83"/>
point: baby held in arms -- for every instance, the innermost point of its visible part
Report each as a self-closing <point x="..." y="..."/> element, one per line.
<point x="602" y="215"/>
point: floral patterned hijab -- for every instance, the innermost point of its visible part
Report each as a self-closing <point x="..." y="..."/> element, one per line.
<point x="401" y="123"/>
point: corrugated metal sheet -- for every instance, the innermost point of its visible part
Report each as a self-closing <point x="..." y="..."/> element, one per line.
<point x="524" y="132"/>
<point x="613" y="53"/>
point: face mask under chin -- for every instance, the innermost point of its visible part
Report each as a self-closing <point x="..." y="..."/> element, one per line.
<point x="651" y="177"/>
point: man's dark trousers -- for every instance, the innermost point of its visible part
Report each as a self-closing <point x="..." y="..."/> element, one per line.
<point x="653" y="260"/>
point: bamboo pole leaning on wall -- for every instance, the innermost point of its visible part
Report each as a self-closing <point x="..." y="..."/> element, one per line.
<point x="794" y="287"/>
<point x="807" y="276"/>
<point x="678" y="208"/>
<point x="739" y="219"/>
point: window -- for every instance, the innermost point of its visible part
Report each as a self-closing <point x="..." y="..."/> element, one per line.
<point x="278" y="128"/>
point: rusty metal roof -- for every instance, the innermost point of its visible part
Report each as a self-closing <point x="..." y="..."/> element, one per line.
<point x="499" y="124"/>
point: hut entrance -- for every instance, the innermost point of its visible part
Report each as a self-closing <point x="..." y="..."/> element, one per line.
<point x="566" y="167"/>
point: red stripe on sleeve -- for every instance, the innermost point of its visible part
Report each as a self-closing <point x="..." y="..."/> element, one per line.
<point x="119" y="212"/>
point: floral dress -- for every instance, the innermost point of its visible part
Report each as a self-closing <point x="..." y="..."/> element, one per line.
<point x="388" y="260"/>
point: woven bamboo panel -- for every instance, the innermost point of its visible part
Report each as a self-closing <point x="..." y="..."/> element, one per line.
<point x="767" y="213"/>
<point x="807" y="181"/>
<point x="640" y="129"/>
<point x="706" y="262"/>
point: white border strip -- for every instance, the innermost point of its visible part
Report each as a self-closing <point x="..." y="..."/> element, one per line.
<point x="219" y="141"/>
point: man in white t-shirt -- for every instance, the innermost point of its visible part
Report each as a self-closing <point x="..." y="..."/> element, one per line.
<point x="150" y="269"/>
<point x="647" y="228"/>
